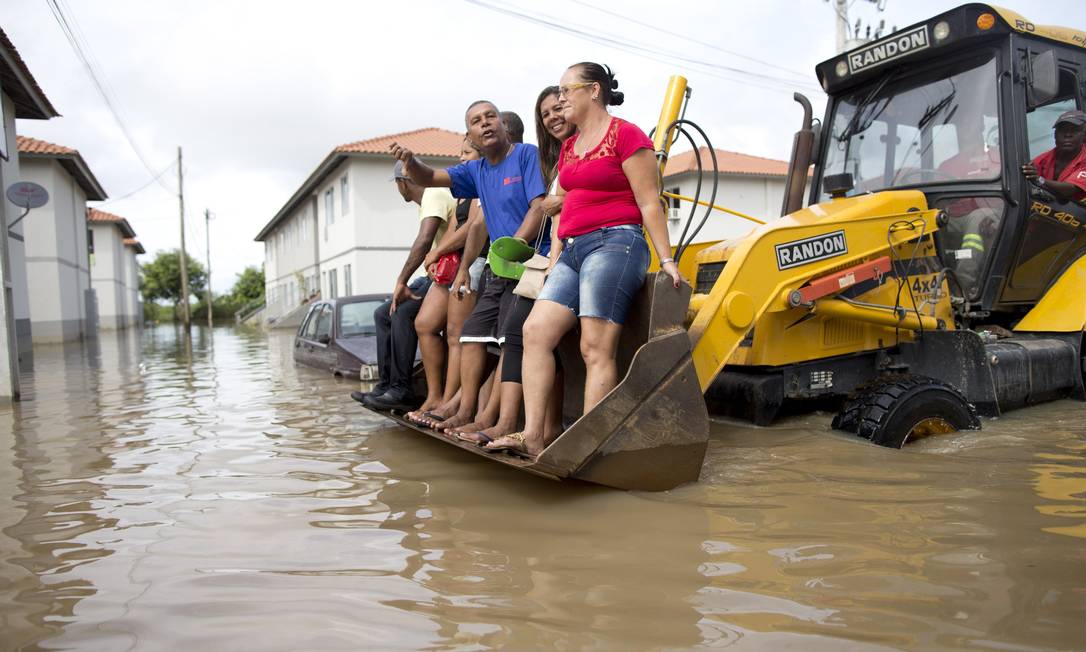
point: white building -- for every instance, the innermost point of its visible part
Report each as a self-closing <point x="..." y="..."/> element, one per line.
<point x="20" y="97"/>
<point x="347" y="230"/>
<point x="57" y="255"/>
<point x="114" y="270"/>
<point x="751" y="185"/>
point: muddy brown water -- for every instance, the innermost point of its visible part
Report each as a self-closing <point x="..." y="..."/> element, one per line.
<point x="159" y="498"/>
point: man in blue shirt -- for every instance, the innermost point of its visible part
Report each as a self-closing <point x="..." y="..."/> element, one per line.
<point x="509" y="184"/>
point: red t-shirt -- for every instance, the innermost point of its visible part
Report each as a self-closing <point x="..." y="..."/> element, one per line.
<point x="598" y="194"/>
<point x="1074" y="173"/>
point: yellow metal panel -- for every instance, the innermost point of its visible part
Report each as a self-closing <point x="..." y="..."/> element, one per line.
<point x="1063" y="307"/>
<point x="1020" y="23"/>
<point x="868" y="224"/>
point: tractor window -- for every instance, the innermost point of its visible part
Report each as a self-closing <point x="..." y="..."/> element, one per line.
<point x="938" y="126"/>
<point x="968" y="239"/>
<point x="1040" y="121"/>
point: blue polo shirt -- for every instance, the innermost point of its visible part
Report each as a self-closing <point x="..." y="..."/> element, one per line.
<point x="505" y="189"/>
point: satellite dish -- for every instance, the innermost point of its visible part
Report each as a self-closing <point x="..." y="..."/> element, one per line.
<point x="27" y="194"/>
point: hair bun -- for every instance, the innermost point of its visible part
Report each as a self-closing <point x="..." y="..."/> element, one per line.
<point x="614" y="83"/>
<point x="617" y="97"/>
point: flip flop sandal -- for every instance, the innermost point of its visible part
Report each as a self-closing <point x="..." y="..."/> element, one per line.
<point x="517" y="449"/>
<point x="477" y="438"/>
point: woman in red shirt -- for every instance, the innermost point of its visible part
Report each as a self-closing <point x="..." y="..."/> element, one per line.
<point x="607" y="175"/>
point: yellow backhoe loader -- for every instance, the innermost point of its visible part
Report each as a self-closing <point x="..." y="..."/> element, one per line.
<point x="925" y="283"/>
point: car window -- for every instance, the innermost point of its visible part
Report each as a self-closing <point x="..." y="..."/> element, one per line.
<point x="311" y="325"/>
<point x="324" y="322"/>
<point x="308" y="322"/>
<point x="357" y="318"/>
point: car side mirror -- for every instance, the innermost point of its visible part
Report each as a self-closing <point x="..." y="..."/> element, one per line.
<point x="1043" y="79"/>
<point x="324" y="339"/>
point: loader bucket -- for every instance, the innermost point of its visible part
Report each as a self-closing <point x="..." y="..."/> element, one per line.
<point x="652" y="430"/>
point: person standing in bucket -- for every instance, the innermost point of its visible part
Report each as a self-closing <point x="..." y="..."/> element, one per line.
<point x="510" y="187"/>
<point x="608" y="175"/>
<point x="397" y="340"/>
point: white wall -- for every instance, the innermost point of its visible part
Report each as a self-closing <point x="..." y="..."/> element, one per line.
<point x="16" y="249"/>
<point x="759" y="197"/>
<point x="108" y="277"/>
<point x="56" y="254"/>
<point x="373" y="237"/>
<point x="9" y="173"/>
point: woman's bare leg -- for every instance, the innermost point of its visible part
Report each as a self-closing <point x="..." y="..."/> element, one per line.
<point x="460" y="307"/>
<point x="429" y="325"/>
<point x="599" y="344"/>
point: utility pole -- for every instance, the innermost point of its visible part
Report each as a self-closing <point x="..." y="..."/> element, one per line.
<point x="207" y="229"/>
<point x="840" y="7"/>
<point x="184" y="261"/>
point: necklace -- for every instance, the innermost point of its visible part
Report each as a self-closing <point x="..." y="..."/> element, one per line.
<point x="596" y="139"/>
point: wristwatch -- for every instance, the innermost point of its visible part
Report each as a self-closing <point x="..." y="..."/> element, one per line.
<point x="1041" y="181"/>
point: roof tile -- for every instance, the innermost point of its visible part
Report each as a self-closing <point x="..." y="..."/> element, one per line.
<point x="727" y="163"/>
<point x="102" y="217"/>
<point x="28" y="145"/>
<point x="427" y="142"/>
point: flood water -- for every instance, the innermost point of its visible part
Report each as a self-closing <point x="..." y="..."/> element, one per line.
<point x="158" y="498"/>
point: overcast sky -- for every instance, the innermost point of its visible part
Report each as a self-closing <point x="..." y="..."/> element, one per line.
<point x="258" y="93"/>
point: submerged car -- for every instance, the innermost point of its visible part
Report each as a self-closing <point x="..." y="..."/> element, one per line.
<point x="339" y="335"/>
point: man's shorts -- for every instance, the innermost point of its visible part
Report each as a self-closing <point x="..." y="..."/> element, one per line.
<point x="490" y="311"/>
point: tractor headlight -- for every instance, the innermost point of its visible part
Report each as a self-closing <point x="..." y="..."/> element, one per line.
<point x="841" y="68"/>
<point x="941" y="30"/>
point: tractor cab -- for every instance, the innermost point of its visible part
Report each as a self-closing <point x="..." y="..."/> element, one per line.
<point x="953" y="107"/>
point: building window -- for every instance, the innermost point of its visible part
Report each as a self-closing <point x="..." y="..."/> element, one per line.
<point x="673" y="204"/>
<point x="324" y="280"/>
<point x="344" y="202"/>
<point x="305" y="226"/>
<point x="329" y="207"/>
<point x="346" y="280"/>
<point x="332" y="289"/>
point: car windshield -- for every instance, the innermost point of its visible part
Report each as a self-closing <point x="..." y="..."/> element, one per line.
<point x="357" y="318"/>
<point x="941" y="126"/>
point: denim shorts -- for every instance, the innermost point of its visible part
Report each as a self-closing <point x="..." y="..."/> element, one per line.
<point x="599" y="272"/>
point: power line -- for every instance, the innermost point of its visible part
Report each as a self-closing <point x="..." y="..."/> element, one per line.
<point x="645" y="50"/>
<point x="86" y="56"/>
<point x="129" y="194"/>
<point x="686" y="37"/>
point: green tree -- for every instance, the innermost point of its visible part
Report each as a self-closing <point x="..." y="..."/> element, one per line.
<point x="249" y="286"/>
<point x="162" y="278"/>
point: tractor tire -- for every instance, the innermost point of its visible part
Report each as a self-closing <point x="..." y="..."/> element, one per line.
<point x="909" y="408"/>
<point x="851" y="413"/>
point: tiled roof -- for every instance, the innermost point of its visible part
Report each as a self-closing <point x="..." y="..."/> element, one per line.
<point x="727" y="163"/>
<point x="20" y="85"/>
<point x="426" y="142"/>
<point x="101" y="217"/>
<point x="69" y="158"/>
<point x="28" y="145"/>
<point x="430" y="142"/>
<point x="135" y="244"/>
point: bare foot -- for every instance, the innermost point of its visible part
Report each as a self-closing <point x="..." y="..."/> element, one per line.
<point x="517" y="444"/>
<point x="475" y="426"/>
<point x="453" y="424"/>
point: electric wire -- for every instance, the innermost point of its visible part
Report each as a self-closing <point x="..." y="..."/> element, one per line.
<point x="686" y="37"/>
<point x="85" y="54"/>
<point x="155" y="178"/>
<point x="768" y="82"/>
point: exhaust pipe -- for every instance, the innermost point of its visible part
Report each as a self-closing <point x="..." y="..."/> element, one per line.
<point x="802" y="142"/>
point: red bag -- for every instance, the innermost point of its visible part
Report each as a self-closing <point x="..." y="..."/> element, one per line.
<point x="446" y="267"/>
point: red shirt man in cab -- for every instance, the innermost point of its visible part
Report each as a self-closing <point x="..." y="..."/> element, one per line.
<point x="1062" y="169"/>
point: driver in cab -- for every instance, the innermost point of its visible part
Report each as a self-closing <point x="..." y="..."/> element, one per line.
<point x="1062" y="170"/>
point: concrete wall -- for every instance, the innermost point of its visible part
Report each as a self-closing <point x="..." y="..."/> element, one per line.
<point x="58" y="270"/>
<point x="16" y="248"/>
<point x="9" y="173"/>
<point x="109" y="278"/>
<point x="759" y="197"/>
<point x="362" y="248"/>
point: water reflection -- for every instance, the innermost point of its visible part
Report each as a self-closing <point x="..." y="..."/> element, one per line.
<point x="159" y="495"/>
